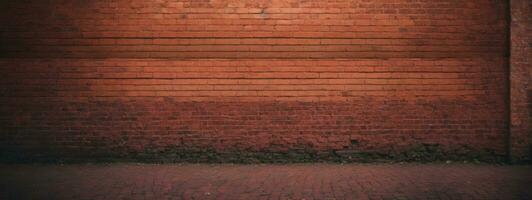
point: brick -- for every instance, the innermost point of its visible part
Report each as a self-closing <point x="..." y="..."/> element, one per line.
<point x="520" y="82"/>
<point x="220" y="74"/>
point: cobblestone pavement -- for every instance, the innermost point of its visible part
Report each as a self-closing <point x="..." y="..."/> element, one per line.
<point x="295" y="181"/>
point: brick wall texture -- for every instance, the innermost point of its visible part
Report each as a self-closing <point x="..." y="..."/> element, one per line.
<point x="120" y="77"/>
<point x="521" y="80"/>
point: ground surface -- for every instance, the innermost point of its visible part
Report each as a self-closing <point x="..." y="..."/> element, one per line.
<point x="298" y="181"/>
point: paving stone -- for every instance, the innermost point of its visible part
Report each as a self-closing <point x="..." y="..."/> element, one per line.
<point x="295" y="181"/>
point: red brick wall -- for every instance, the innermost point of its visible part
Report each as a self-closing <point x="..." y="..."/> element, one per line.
<point x="100" y="78"/>
<point x="521" y="81"/>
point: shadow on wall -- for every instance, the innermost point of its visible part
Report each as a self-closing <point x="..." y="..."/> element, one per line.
<point x="530" y="122"/>
<point x="530" y="105"/>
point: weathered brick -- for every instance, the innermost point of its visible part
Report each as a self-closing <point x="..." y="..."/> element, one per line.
<point x="520" y="81"/>
<point x="262" y="76"/>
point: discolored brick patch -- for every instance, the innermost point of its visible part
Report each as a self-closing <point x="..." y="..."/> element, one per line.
<point x="299" y="181"/>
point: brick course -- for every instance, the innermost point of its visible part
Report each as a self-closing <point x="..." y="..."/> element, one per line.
<point x="114" y="78"/>
<point x="270" y="29"/>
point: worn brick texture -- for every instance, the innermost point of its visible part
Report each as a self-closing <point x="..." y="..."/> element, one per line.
<point x="119" y="77"/>
<point x="521" y="80"/>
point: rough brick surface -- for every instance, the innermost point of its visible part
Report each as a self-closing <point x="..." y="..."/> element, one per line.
<point x="120" y="77"/>
<point x="521" y="80"/>
<point x="254" y="29"/>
